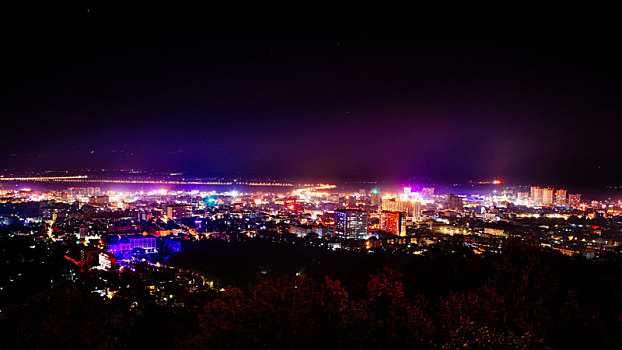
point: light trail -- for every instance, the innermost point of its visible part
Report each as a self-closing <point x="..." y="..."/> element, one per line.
<point x="311" y="188"/>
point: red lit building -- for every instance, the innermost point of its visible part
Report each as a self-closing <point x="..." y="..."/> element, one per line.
<point x="394" y="222"/>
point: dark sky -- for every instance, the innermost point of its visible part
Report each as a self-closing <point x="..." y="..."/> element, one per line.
<point x="526" y="95"/>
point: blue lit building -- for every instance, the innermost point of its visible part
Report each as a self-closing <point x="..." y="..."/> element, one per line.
<point x="125" y="246"/>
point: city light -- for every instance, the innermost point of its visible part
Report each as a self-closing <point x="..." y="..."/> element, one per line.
<point x="193" y="177"/>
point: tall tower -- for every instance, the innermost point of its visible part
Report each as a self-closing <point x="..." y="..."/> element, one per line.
<point x="547" y="196"/>
<point x="394" y="222"/>
<point x="536" y="195"/>
<point x="454" y="202"/>
<point x="417" y="211"/>
<point x="560" y="197"/>
<point x="574" y="200"/>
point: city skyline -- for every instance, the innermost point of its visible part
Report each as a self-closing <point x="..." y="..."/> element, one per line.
<point x="147" y="180"/>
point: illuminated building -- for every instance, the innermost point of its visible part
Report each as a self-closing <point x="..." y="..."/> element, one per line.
<point x="123" y="246"/>
<point x="427" y="192"/>
<point x="179" y="211"/>
<point x="375" y="197"/>
<point x="522" y="197"/>
<point x="99" y="200"/>
<point x="454" y="202"/>
<point x="560" y="197"/>
<point x="390" y="204"/>
<point x="536" y="195"/>
<point x="410" y="205"/>
<point x="548" y="196"/>
<point x="84" y="191"/>
<point x="574" y="200"/>
<point x="107" y="261"/>
<point x="394" y="222"/>
<point x="394" y="204"/>
<point x="351" y="223"/>
<point x="417" y="211"/>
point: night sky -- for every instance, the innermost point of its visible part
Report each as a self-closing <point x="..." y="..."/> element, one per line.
<point x="526" y="95"/>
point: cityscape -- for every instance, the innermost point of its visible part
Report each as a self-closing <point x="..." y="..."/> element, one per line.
<point x="117" y="228"/>
<point x="174" y="177"/>
<point x="100" y="235"/>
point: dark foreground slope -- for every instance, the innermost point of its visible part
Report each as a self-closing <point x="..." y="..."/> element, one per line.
<point x="294" y="297"/>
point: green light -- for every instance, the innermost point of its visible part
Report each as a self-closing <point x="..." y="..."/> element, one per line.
<point x="375" y="191"/>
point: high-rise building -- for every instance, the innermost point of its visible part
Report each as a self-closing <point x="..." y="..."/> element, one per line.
<point x="417" y="211"/>
<point x="179" y="211"/>
<point x="522" y="197"/>
<point x="536" y="195"/>
<point x="409" y="206"/>
<point x="375" y="197"/>
<point x="351" y="201"/>
<point x="427" y="192"/>
<point x="394" y="222"/>
<point x="403" y="205"/>
<point x="560" y="197"/>
<point x="574" y="200"/>
<point x="392" y="204"/>
<point x="107" y="261"/>
<point x="548" y="196"/>
<point x="351" y="223"/>
<point x="454" y="202"/>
